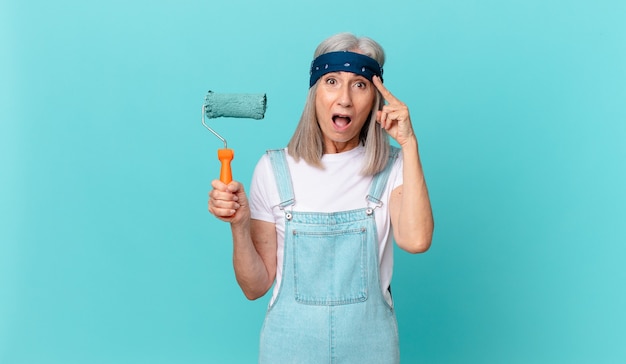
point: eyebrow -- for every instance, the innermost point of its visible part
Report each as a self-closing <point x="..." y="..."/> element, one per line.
<point x="355" y="75"/>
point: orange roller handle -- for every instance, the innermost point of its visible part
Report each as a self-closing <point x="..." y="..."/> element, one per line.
<point x="225" y="155"/>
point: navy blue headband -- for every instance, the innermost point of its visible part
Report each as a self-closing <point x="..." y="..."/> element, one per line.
<point x="344" y="61"/>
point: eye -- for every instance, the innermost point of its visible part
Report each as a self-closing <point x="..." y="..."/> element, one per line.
<point x="331" y="81"/>
<point x="360" y="85"/>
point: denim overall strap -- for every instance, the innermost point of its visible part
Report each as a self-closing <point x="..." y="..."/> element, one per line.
<point x="381" y="178"/>
<point x="283" y="177"/>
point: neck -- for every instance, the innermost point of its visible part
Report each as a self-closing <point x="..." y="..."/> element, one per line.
<point x="333" y="147"/>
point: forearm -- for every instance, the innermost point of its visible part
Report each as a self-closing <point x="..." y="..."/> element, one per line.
<point x="251" y="271"/>
<point x="414" y="227"/>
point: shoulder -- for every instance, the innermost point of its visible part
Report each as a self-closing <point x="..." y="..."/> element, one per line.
<point x="264" y="165"/>
<point x="263" y="190"/>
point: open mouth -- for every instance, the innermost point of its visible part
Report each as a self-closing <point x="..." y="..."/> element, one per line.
<point x="341" y="121"/>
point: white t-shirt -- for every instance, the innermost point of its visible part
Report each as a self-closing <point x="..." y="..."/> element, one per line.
<point x="338" y="187"/>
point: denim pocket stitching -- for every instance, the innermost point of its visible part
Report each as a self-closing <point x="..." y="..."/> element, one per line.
<point x="306" y="293"/>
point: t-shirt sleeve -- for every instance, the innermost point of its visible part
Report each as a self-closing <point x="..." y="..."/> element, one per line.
<point x="262" y="191"/>
<point x="396" y="178"/>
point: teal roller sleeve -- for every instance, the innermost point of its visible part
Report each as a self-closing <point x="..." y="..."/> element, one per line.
<point x="251" y="106"/>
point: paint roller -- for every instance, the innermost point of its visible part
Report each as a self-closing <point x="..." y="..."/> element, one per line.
<point x="251" y="106"/>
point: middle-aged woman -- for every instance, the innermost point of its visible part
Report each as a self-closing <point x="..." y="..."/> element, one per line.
<point x="323" y="213"/>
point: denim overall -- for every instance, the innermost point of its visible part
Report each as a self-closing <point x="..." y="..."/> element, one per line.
<point x="329" y="308"/>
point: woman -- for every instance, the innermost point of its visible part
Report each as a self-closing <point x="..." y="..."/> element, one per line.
<point x="323" y="213"/>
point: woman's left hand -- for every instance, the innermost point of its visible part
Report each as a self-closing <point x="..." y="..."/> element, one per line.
<point x="394" y="117"/>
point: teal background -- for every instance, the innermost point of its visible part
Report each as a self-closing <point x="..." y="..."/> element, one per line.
<point x="107" y="252"/>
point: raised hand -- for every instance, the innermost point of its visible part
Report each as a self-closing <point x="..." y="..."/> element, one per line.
<point x="394" y="116"/>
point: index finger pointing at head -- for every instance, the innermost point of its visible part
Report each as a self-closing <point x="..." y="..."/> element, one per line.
<point x="383" y="90"/>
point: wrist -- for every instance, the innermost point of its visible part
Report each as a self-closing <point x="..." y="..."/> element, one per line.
<point x="241" y="224"/>
<point x="409" y="143"/>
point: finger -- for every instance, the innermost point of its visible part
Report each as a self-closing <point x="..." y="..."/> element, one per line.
<point x="222" y="213"/>
<point x="234" y="187"/>
<point x="222" y="208"/>
<point x="222" y="205"/>
<point x="396" y="115"/>
<point x="399" y="106"/>
<point x="399" y="111"/>
<point x="382" y="117"/>
<point x="219" y="185"/>
<point x="387" y="95"/>
<point x="218" y="195"/>
<point x="223" y="201"/>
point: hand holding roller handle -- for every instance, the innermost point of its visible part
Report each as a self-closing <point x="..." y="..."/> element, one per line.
<point x="216" y="105"/>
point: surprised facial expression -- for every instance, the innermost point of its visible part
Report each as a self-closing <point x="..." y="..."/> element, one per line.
<point x="343" y="103"/>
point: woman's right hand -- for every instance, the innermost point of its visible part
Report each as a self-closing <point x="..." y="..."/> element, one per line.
<point x="228" y="202"/>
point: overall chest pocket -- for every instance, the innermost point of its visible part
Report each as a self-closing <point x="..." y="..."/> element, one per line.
<point x="330" y="268"/>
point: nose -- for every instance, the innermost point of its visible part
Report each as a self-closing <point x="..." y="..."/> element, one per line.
<point x="345" y="96"/>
